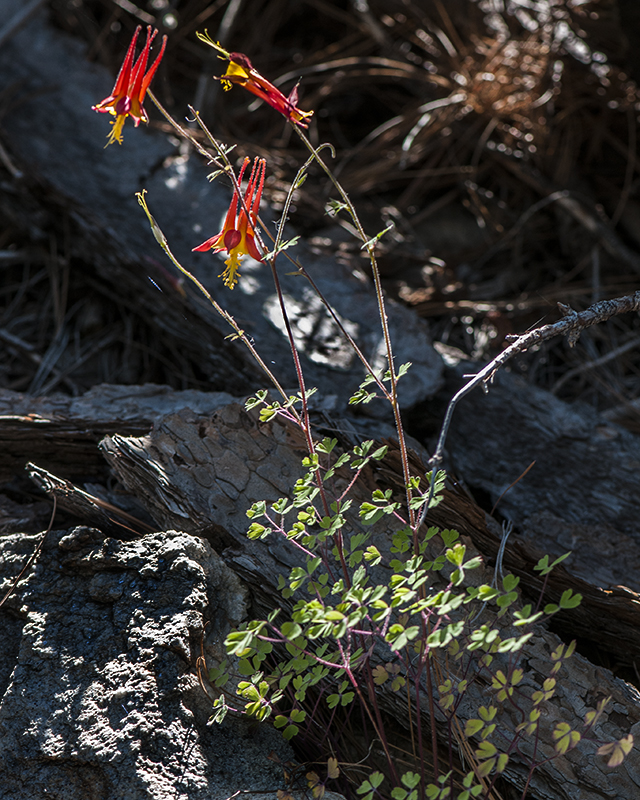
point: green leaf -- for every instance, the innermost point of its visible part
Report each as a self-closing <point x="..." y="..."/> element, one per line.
<point x="326" y="445"/>
<point x="291" y="630"/>
<point x="219" y="676"/>
<point x="543" y="566"/>
<point x="313" y="564"/>
<point x="258" y="531"/>
<point x="410" y="779"/>
<point x="565" y="738"/>
<point x="398" y="637"/>
<point x="486" y="750"/>
<point x="449" y="537"/>
<point x="283" y="246"/>
<point x="380" y="453"/>
<point x="487" y="714"/>
<point x="335" y="206"/>
<point x="361" y="396"/>
<point x="514" y="644"/>
<point x="617" y="751"/>
<point x="375" y="239"/>
<point x="570" y="600"/>
<point x="372" y="555"/>
<point x="380" y="675"/>
<point x="252" y="402"/>
<point x="525" y="617"/>
<point x="237" y="642"/>
<point x="245" y="667"/>
<point x="281" y="506"/>
<point x="503" y="760"/>
<point x="368" y="787"/>
<point x="456" y="554"/>
<point x="268" y="412"/>
<point x="221" y="710"/>
<point x="257" y="510"/>
<point x="473" y="726"/>
<point x="485" y="768"/>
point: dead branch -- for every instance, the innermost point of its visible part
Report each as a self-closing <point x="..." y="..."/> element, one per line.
<point x="571" y="325"/>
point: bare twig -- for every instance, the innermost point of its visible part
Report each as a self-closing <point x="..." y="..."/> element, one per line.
<point x="84" y="504"/>
<point x="369" y="245"/>
<point x="33" y="556"/>
<point x="571" y="325"/>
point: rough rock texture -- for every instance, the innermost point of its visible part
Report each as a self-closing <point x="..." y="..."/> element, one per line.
<point x="54" y="126"/>
<point x="97" y="672"/>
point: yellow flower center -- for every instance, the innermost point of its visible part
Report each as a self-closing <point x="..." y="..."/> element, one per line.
<point x="235" y="71"/>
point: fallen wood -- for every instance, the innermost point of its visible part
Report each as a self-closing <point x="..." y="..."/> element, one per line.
<point x="91" y="509"/>
<point x="609" y="616"/>
<point x="582" y="494"/>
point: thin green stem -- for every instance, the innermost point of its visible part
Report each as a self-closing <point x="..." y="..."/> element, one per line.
<point x="370" y="246"/>
<point x="184" y="132"/>
<point x="226" y="166"/>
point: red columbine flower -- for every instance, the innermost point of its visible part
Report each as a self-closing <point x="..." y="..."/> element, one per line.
<point x="131" y="86"/>
<point x="237" y="235"/>
<point x="242" y="72"/>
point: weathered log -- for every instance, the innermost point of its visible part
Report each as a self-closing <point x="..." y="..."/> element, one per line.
<point x="88" y="507"/>
<point x="60" y="433"/>
<point x="609" y="616"/>
<point x="582" y="495"/>
<point x="203" y="473"/>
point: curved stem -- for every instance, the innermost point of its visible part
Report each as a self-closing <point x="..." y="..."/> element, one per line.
<point x="239" y="333"/>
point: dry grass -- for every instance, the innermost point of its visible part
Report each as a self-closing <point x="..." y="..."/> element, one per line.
<point x="62" y="329"/>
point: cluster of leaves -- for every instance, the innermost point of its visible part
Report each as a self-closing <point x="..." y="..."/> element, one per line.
<point x="350" y="599"/>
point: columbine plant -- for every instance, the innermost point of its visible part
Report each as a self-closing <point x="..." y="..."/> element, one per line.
<point x="377" y="607"/>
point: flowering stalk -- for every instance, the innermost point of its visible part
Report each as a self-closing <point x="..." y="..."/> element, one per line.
<point x="238" y="332"/>
<point x="131" y="87"/>
<point x="369" y="245"/>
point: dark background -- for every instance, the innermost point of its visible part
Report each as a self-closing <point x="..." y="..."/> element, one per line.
<point x="550" y="104"/>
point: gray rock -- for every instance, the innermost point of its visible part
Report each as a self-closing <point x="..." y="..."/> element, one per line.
<point x="101" y="697"/>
